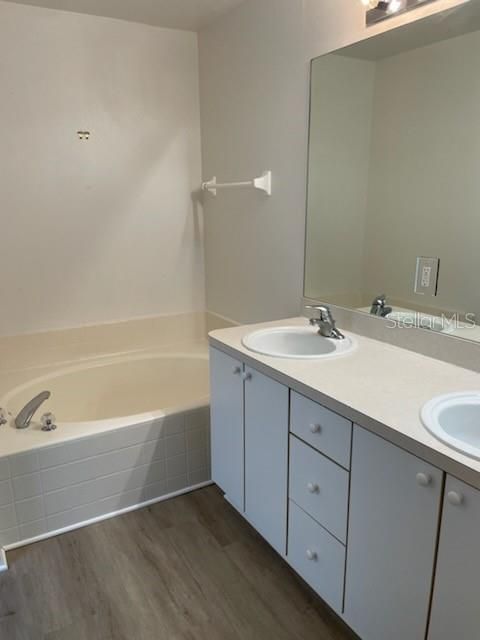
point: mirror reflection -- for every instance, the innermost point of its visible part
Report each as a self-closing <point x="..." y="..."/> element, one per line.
<point x="393" y="223"/>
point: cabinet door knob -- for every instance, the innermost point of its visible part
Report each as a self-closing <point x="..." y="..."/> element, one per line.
<point x="424" y="479"/>
<point x="246" y="376"/>
<point x="454" y="498"/>
<point x="315" y="428"/>
<point x="312" y="555"/>
<point x="237" y="371"/>
<point x="313" y="488"/>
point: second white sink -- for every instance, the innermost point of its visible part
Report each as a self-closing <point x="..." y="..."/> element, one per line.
<point x="296" y="342"/>
<point x="455" y="420"/>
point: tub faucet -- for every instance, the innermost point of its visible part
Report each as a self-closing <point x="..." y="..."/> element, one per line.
<point x="379" y="307"/>
<point x="24" y="418"/>
<point x="327" y="327"/>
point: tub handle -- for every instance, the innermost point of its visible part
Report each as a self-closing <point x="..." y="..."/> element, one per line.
<point x="48" y="422"/>
<point x="3" y="417"/>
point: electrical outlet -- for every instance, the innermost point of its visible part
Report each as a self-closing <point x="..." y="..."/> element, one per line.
<point x="426" y="276"/>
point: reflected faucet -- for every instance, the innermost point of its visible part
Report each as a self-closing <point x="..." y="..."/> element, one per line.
<point x="24" y="418"/>
<point x="327" y="327"/>
<point x="379" y="307"/>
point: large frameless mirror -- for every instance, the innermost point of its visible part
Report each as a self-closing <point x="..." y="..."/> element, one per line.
<point x="393" y="216"/>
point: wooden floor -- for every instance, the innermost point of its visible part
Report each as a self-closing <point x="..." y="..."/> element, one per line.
<point x="186" y="569"/>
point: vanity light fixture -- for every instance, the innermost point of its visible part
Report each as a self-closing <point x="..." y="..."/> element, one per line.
<point x="378" y="10"/>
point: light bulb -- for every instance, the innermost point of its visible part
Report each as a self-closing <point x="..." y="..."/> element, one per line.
<point x="394" y="6"/>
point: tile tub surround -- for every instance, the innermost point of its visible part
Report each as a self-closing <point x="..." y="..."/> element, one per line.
<point x="380" y="387"/>
<point x="54" y="488"/>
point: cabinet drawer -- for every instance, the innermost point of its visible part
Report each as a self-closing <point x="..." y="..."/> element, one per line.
<point x="323" y="429"/>
<point x="316" y="556"/>
<point x="319" y="487"/>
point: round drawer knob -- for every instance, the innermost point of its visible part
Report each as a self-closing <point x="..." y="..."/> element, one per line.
<point x="313" y="488"/>
<point x="247" y="376"/>
<point x="315" y="428"/>
<point x="424" y="479"/>
<point x="237" y="371"/>
<point x="454" y="498"/>
<point x="312" y="555"/>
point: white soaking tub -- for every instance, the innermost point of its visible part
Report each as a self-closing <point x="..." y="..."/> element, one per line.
<point x="131" y="430"/>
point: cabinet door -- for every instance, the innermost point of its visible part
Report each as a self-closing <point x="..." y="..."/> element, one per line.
<point x="266" y="457"/>
<point x="393" y="530"/>
<point x="227" y="434"/>
<point x="456" y="611"/>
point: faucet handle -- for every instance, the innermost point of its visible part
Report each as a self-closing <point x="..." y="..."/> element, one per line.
<point x="48" y="422"/>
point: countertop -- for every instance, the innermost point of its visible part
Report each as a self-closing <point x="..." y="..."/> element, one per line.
<point x="378" y="386"/>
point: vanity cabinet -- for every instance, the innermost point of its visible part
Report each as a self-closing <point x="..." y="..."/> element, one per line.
<point x="455" y="608"/>
<point x="266" y="457"/>
<point x="249" y="434"/>
<point x="365" y="523"/>
<point x="227" y="428"/>
<point x="394" y="512"/>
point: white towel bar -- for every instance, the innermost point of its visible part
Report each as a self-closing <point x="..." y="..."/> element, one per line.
<point x="263" y="183"/>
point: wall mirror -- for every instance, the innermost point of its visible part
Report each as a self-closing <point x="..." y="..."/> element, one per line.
<point x="394" y="175"/>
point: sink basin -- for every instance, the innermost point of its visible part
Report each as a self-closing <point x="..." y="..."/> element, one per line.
<point x="296" y="342"/>
<point x="455" y="420"/>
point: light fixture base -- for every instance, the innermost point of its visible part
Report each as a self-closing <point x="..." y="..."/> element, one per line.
<point x="390" y="8"/>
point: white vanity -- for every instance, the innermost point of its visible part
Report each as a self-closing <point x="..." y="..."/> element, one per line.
<point x="369" y="508"/>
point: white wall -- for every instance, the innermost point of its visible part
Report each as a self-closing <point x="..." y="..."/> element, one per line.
<point x="254" y="104"/>
<point x="104" y="230"/>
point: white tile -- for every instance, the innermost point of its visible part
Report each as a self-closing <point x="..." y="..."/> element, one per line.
<point x="198" y="459"/>
<point x="30" y="510"/>
<point x="176" y="466"/>
<point x="198" y="477"/>
<point x="173" y="424"/>
<point x="155" y="490"/>
<point x="98" y="445"/>
<point x="6" y="493"/>
<point x="175" y="445"/>
<point x="107" y="464"/>
<point x="177" y="483"/>
<point x="4" y="469"/>
<point x="33" y="529"/>
<point x="27" y="486"/>
<point x="8" y="517"/>
<point x="197" y="438"/>
<point x="24" y="463"/>
<point x="9" y="536"/>
<point x="96" y="490"/>
<point x="197" y="418"/>
<point x="88" y="512"/>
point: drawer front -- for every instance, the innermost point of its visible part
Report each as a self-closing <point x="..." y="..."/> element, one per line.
<point x="323" y="429"/>
<point x="319" y="487"/>
<point x="316" y="556"/>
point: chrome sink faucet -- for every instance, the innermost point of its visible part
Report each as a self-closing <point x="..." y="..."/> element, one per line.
<point x="24" y="418"/>
<point x="379" y="307"/>
<point x="327" y="326"/>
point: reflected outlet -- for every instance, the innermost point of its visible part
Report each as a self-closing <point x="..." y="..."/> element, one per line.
<point x="426" y="276"/>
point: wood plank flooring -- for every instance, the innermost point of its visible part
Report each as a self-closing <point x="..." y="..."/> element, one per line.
<point x="187" y="569"/>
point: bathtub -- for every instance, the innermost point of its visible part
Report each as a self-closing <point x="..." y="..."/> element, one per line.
<point x="131" y="430"/>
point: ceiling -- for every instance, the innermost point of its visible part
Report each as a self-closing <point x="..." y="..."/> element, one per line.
<point x="190" y="15"/>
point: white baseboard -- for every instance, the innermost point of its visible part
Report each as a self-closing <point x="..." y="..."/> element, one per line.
<point x="86" y="523"/>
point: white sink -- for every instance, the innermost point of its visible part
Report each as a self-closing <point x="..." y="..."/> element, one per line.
<point x="455" y="420"/>
<point x="296" y="342"/>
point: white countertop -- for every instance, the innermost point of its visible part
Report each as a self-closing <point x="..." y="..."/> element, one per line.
<point x="379" y="386"/>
